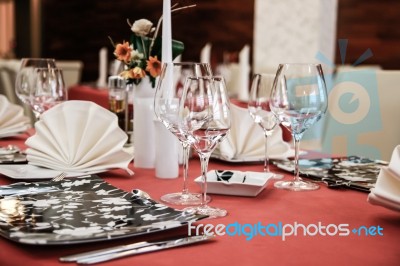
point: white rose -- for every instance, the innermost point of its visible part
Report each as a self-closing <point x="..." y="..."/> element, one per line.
<point x="136" y="55"/>
<point x="142" y="27"/>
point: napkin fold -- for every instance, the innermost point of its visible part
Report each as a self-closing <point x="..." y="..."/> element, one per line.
<point x="386" y="192"/>
<point x="246" y="141"/>
<point x="12" y="118"/>
<point x="78" y="136"/>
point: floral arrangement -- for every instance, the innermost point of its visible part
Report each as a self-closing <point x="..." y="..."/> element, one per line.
<point x="142" y="54"/>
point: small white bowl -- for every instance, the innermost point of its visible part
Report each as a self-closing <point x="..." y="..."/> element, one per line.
<point x="235" y="183"/>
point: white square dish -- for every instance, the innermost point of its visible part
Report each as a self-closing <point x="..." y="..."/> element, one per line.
<point x="235" y="183"/>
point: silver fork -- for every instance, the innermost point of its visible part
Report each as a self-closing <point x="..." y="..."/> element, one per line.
<point x="59" y="177"/>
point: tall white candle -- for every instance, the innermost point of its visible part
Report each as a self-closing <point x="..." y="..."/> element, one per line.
<point x="102" y="81"/>
<point x="166" y="32"/>
<point x="166" y="164"/>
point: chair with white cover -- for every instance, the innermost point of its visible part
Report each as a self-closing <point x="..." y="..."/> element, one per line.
<point x="72" y="71"/>
<point x="8" y="72"/>
<point x="362" y="117"/>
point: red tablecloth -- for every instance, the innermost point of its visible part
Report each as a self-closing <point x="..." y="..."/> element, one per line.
<point x="88" y="93"/>
<point x="323" y="206"/>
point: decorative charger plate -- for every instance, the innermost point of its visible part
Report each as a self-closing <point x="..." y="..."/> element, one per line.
<point x="79" y="210"/>
<point x="33" y="172"/>
<point x="343" y="172"/>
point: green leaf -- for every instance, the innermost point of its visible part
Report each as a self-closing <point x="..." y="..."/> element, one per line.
<point x="141" y="44"/>
<point x="177" y="48"/>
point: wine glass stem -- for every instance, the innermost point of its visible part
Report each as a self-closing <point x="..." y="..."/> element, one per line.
<point x="296" y="159"/>
<point x="186" y="150"/>
<point x="204" y="166"/>
<point x="266" y="160"/>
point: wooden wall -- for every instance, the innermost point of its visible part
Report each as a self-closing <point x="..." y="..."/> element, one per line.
<point x="77" y="29"/>
<point x="373" y="24"/>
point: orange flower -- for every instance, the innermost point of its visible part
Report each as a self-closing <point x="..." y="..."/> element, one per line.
<point x="134" y="73"/>
<point x="126" y="74"/>
<point x="138" y="73"/>
<point x="123" y="52"/>
<point x="153" y="66"/>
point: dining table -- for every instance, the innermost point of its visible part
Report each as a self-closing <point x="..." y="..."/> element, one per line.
<point x="372" y="236"/>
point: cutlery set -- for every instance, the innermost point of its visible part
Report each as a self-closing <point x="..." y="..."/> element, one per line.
<point x="116" y="252"/>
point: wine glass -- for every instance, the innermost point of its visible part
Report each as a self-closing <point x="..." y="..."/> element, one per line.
<point x="299" y="99"/>
<point x="24" y="81"/>
<point x="166" y="107"/>
<point x="205" y="109"/>
<point x="48" y="89"/>
<point x="259" y="110"/>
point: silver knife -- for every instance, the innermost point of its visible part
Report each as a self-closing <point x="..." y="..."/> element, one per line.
<point x="132" y="249"/>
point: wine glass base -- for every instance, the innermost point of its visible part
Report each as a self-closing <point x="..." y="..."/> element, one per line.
<point x="180" y="198"/>
<point x="296" y="185"/>
<point x="211" y="212"/>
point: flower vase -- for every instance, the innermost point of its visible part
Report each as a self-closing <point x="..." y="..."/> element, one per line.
<point x="155" y="147"/>
<point x="143" y="125"/>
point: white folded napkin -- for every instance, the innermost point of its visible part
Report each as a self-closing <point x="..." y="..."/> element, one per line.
<point x="246" y="141"/>
<point x="386" y="192"/>
<point x="12" y="118"/>
<point x="78" y="136"/>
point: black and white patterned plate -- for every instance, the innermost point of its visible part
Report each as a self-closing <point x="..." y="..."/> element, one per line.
<point x="80" y="210"/>
<point x="352" y="171"/>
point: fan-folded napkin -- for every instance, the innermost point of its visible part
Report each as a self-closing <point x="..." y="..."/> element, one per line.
<point x="12" y="118"/>
<point x="78" y="136"/>
<point x="246" y="140"/>
<point x="387" y="188"/>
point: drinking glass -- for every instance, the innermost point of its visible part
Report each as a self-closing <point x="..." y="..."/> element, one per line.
<point x="259" y="110"/>
<point x="48" y="89"/>
<point x="299" y="99"/>
<point x="205" y="109"/>
<point x="25" y="77"/>
<point x="166" y="107"/>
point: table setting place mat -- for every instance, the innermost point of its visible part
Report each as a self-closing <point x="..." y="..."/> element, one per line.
<point x="351" y="172"/>
<point x="80" y="210"/>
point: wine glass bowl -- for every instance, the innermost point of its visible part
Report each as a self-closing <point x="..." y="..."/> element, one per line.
<point x="205" y="109"/>
<point x="48" y="89"/>
<point x="258" y="107"/>
<point x="27" y="80"/>
<point x="167" y="102"/>
<point x="299" y="99"/>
